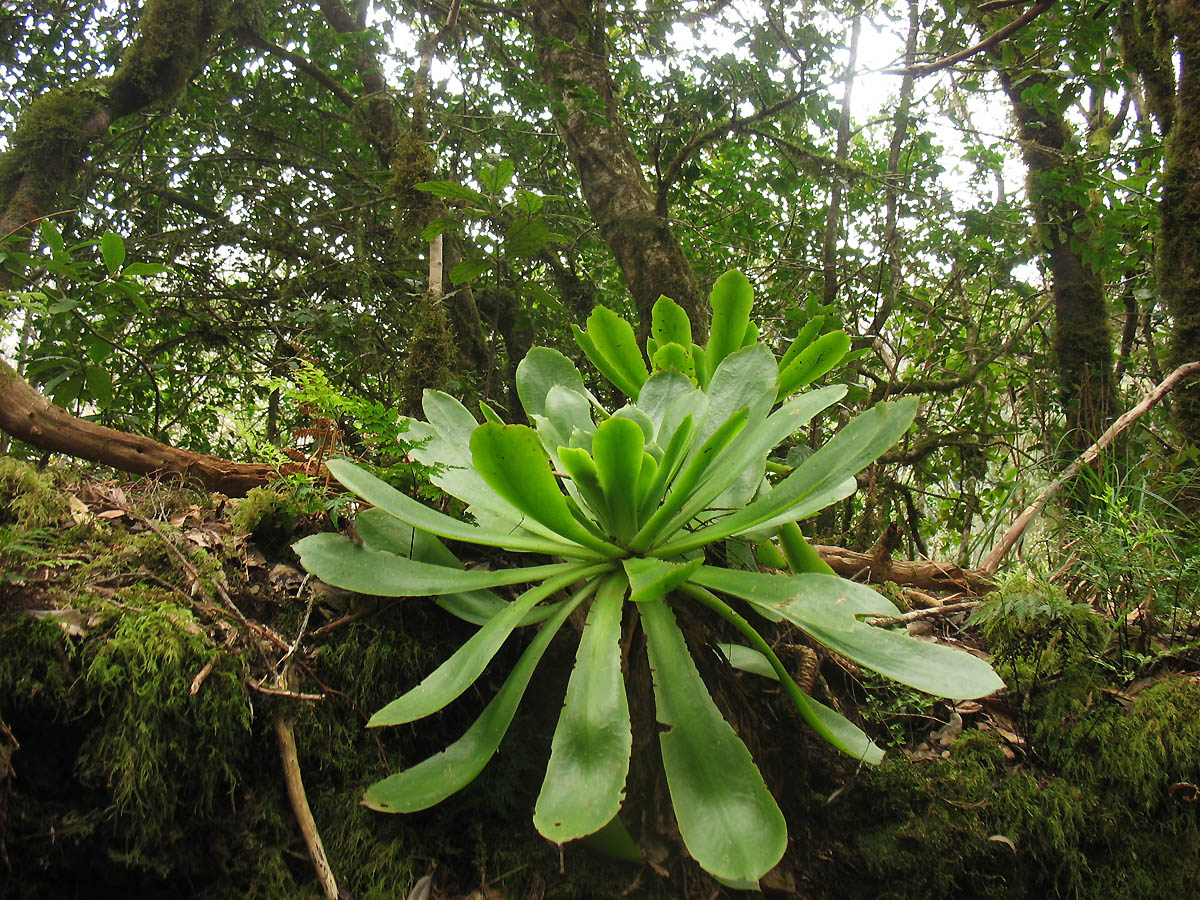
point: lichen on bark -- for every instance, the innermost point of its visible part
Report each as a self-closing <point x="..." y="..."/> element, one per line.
<point x="1179" y="235"/>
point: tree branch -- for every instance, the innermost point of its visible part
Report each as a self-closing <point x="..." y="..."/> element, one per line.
<point x="28" y="416"/>
<point x="720" y="130"/>
<point x="986" y="44"/>
<point x="313" y="71"/>
<point x="992" y="561"/>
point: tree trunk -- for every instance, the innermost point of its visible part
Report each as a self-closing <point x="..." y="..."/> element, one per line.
<point x="1179" y="234"/>
<point x="1082" y="334"/>
<point x="573" y="55"/>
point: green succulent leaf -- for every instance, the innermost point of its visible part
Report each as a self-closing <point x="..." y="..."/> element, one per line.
<point x="828" y="608"/>
<point x="432" y="781"/>
<point x="653" y="579"/>
<point x="807" y="335"/>
<point x="731" y="299"/>
<point x="674" y="358"/>
<point x="444" y="443"/>
<point x="611" y="345"/>
<point x="380" y="531"/>
<point x="512" y="461"/>
<point x="669" y="324"/>
<point x="456" y="674"/>
<point x="800" y="555"/>
<point x="813" y="361"/>
<point x="685" y="483"/>
<point x="617" y="449"/>
<point x="825" y="477"/>
<point x="589" y="756"/>
<point x="381" y="494"/>
<point x="580" y="466"/>
<point x="540" y="370"/>
<point x="341" y="562"/>
<point x="727" y="818"/>
<point x="834" y="728"/>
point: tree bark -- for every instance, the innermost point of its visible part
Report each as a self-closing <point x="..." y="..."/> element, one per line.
<point x="1082" y="334"/>
<point x="925" y="574"/>
<point x="1179" y="229"/>
<point x="573" y="56"/>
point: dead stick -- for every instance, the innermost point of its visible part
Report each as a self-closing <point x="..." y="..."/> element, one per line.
<point x="914" y="615"/>
<point x="992" y="561"/>
<point x="295" y="788"/>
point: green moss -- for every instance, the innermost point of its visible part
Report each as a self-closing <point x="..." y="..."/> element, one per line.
<point x="431" y="354"/>
<point x="164" y="753"/>
<point x="34" y="672"/>
<point x="411" y="163"/>
<point x="50" y="137"/>
<point x="172" y="40"/>
<point x="1095" y="817"/>
<point x="28" y="499"/>
<point x="268" y="514"/>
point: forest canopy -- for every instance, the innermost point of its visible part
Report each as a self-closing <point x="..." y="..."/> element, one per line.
<point x="230" y="227"/>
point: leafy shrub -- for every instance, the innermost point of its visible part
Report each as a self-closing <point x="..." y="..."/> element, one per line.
<point x="626" y="502"/>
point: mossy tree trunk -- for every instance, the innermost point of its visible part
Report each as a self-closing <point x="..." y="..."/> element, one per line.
<point x="1083" y="342"/>
<point x="56" y="132"/>
<point x="573" y="55"/>
<point x="1179" y="233"/>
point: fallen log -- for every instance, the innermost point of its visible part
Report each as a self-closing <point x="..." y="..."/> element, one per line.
<point x="28" y="416"/>
<point x="924" y="574"/>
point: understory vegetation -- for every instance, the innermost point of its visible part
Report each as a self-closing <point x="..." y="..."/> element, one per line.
<point x="520" y="449"/>
<point x="147" y="763"/>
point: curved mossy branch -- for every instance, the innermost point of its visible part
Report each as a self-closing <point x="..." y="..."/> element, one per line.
<point x="55" y="133"/>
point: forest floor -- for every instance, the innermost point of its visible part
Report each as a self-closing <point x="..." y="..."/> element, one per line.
<point x="158" y="644"/>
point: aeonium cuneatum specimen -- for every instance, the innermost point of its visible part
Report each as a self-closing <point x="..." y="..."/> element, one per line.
<point x="625" y="502"/>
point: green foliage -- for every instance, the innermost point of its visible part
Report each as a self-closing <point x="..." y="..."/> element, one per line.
<point x="1027" y="622"/>
<point x="629" y="502"/>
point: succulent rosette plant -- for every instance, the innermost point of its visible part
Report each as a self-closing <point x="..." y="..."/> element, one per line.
<point x="619" y="507"/>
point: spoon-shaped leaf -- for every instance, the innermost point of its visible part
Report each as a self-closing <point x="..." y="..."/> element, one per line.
<point x="432" y="781"/>
<point x="669" y="323"/>
<point x="589" y="757"/>
<point x="459" y="672"/>
<point x="380" y="493"/>
<point x="731" y="299"/>
<point x="512" y="460"/>
<point x="613" y="338"/>
<point x="617" y="449"/>
<point x="728" y="819"/>
<point x="542" y="369"/>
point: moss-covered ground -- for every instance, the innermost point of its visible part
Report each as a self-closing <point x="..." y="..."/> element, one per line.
<point x="141" y="631"/>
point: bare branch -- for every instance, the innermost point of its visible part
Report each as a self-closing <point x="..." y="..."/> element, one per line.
<point x="992" y="561"/>
<point x="986" y="44"/>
